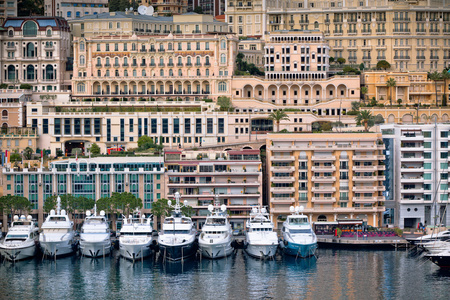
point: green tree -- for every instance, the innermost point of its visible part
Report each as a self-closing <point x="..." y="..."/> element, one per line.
<point x="435" y="76"/>
<point x="240" y="61"/>
<point x="225" y="103"/>
<point x="341" y="60"/>
<point x="445" y="76"/>
<point x="126" y="202"/>
<point x="49" y="204"/>
<point x="355" y="105"/>
<point x="198" y="10"/>
<point x="331" y="60"/>
<point x="28" y="153"/>
<point x="399" y="101"/>
<point x="13" y="204"/>
<point x="364" y="90"/>
<point x="160" y="208"/>
<point x="365" y="118"/>
<point x="145" y="139"/>
<point x="95" y="149"/>
<point x="277" y="116"/>
<point x="383" y="64"/>
<point x="390" y="83"/>
<point x="27" y="8"/>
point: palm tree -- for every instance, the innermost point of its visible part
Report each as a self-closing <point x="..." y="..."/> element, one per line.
<point x="365" y="118"/>
<point x="435" y="76"/>
<point x="277" y="116"/>
<point x="445" y="76"/>
<point x="364" y="90"/>
<point x="390" y="83"/>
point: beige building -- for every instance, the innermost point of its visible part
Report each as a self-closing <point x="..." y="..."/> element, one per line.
<point x="333" y="175"/>
<point x="167" y="7"/>
<point x="70" y="9"/>
<point x="411" y="87"/>
<point x="232" y="177"/>
<point x="35" y="51"/>
<point x="8" y="8"/>
<point x="410" y="35"/>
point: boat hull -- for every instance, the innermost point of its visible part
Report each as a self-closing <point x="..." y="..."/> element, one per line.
<point x="261" y="251"/>
<point x="59" y="248"/>
<point x="299" y="250"/>
<point x="135" y="251"/>
<point x="18" y="253"/>
<point x="215" y="250"/>
<point x="95" y="249"/>
<point x="442" y="261"/>
<point x="177" y="252"/>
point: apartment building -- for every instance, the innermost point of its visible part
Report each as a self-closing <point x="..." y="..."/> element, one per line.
<point x="233" y="177"/>
<point x="173" y="65"/>
<point x="35" y="51"/>
<point x="167" y="7"/>
<point x="420" y="173"/>
<point x="333" y="175"/>
<point x="91" y="178"/>
<point x="411" y="35"/>
<point x="70" y="9"/>
<point x="209" y="7"/>
<point x="297" y="75"/>
<point x="411" y="87"/>
<point x="8" y="8"/>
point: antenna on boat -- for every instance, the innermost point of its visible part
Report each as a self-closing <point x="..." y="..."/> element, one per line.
<point x="177" y="207"/>
<point x="95" y="209"/>
<point x="216" y="201"/>
<point x="58" y="205"/>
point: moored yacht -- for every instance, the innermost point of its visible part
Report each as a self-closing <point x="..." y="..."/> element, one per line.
<point x="57" y="237"/>
<point x="260" y="239"/>
<point x="135" y="239"/>
<point x="299" y="238"/>
<point x="95" y="236"/>
<point x="21" y="240"/>
<point x="443" y="236"/>
<point x="216" y="237"/>
<point x="441" y="258"/>
<point x="177" y="239"/>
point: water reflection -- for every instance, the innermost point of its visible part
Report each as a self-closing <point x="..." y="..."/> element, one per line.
<point x="335" y="275"/>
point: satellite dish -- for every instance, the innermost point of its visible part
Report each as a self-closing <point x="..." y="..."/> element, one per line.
<point x="16" y="218"/>
<point x="130" y="9"/>
<point x="301" y="208"/>
<point x="102" y="213"/>
<point x="52" y="212"/>
<point x="291" y="209"/>
<point x="63" y="212"/>
<point x="88" y="213"/>
<point x="210" y="207"/>
<point x="142" y="10"/>
<point x="169" y="202"/>
<point x="29" y="218"/>
<point x="150" y="11"/>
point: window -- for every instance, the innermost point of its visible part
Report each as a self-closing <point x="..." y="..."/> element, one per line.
<point x="427" y="166"/>
<point x="223" y="58"/>
<point x="222" y="86"/>
<point x="427" y="134"/>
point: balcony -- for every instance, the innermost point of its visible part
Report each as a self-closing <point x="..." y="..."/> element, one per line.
<point x="282" y="179"/>
<point x="323" y="158"/>
<point x="409" y="179"/>
<point x="365" y="168"/>
<point x="283" y="189"/>
<point x="161" y="64"/>
<point x="402" y="31"/>
<point x="364" y="178"/>
<point x="418" y="148"/>
<point x="412" y="191"/>
<point x="364" y="199"/>
<point x="282" y="169"/>
<point x="324" y="168"/>
<point x="323" y="179"/>
<point x="411" y="137"/>
<point x="434" y="57"/>
<point x="412" y="158"/>
<point x="409" y="169"/>
<point x="282" y="158"/>
<point x="281" y="200"/>
<point x="402" y="57"/>
<point x="330" y="189"/>
<point x="324" y="200"/>
<point x="402" y="19"/>
<point x="381" y="31"/>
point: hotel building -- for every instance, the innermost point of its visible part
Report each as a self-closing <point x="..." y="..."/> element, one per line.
<point x="187" y="61"/>
<point x="91" y="178"/>
<point x="35" y="51"/>
<point x="234" y="177"/>
<point x="70" y="9"/>
<point x="420" y="173"/>
<point x="333" y="175"/>
<point x="410" y="35"/>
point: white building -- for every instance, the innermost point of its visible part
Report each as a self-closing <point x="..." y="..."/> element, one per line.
<point x="420" y="173"/>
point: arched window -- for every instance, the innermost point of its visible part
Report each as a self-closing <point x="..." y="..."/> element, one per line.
<point x="170" y="72"/>
<point x="223" y="45"/>
<point x="99" y="61"/>
<point x="11" y="72"/>
<point x="161" y="72"/>
<point x="198" y="61"/>
<point x="125" y="61"/>
<point x="4" y="114"/>
<point x="30" y="50"/>
<point x="223" y="58"/>
<point x="198" y="72"/>
<point x="180" y="62"/>
<point x="30" y="73"/>
<point x="107" y="62"/>
<point x="316" y="25"/>
<point x="161" y="61"/>
<point x="222" y="86"/>
<point x="82" y="60"/>
<point x="207" y="72"/>
<point x="189" y="60"/>
<point x="144" y="73"/>
<point x="10" y="32"/>
<point x="49" y="32"/>
<point x="49" y="72"/>
<point x="322" y="218"/>
<point x="116" y="62"/>
<point x="207" y="60"/>
<point x="30" y="29"/>
<point x="82" y="46"/>
<point x="81" y="87"/>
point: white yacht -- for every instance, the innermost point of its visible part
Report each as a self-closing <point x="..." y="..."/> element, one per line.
<point x="177" y="240"/>
<point x="299" y="238"/>
<point x="57" y="237"/>
<point x="216" y="237"/>
<point x="135" y="238"/>
<point x="443" y="235"/>
<point x="95" y="236"/>
<point x="260" y="239"/>
<point x="21" y="240"/>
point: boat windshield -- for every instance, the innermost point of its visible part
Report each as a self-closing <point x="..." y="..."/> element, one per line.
<point x="304" y="231"/>
<point x="215" y="221"/>
<point x="135" y="233"/>
<point x="94" y="221"/>
<point x="176" y="231"/>
<point x="94" y="230"/>
<point x="56" y="230"/>
<point x="298" y="221"/>
<point x="215" y="232"/>
<point x="57" y="219"/>
<point x="261" y="229"/>
<point x="16" y="236"/>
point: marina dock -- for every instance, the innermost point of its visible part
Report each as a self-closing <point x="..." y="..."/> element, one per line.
<point x="368" y="243"/>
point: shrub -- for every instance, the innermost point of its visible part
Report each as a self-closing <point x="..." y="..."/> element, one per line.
<point x="398" y="231"/>
<point x="25" y="86"/>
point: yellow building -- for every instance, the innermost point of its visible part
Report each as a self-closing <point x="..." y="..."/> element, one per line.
<point x="333" y="175"/>
<point x="411" y="35"/>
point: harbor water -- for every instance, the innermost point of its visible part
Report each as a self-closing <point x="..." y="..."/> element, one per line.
<point x="336" y="274"/>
